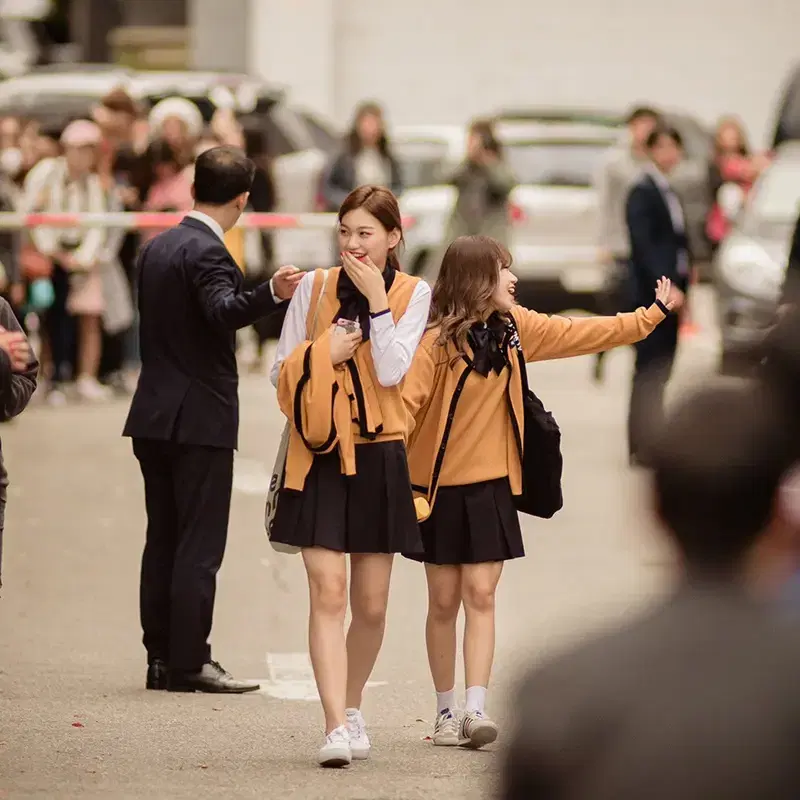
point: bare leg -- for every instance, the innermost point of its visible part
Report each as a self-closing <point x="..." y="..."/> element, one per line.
<point x="369" y="595"/>
<point x="444" y="603"/>
<point x="327" y="583"/>
<point x="91" y="342"/>
<point x="478" y="587"/>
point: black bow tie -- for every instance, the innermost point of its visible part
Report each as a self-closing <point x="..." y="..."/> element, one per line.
<point x="352" y="304"/>
<point x="488" y="342"/>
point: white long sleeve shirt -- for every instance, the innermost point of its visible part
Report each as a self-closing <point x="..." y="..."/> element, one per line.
<point x="392" y="346"/>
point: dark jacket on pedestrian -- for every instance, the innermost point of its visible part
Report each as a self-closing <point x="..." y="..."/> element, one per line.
<point x="16" y="389"/>
<point x="342" y="175"/>
<point x="191" y="303"/>
<point x="656" y="241"/>
<point x="695" y="700"/>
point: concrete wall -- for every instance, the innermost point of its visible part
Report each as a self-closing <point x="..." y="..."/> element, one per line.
<point x="218" y="31"/>
<point x="446" y="60"/>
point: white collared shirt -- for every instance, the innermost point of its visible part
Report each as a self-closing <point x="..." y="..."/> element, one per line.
<point x="216" y="229"/>
<point x="673" y="203"/>
<point x="392" y="346"/>
<point x="210" y="222"/>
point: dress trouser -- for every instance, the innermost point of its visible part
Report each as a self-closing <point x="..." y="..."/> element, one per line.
<point x="187" y="495"/>
<point x="654" y="358"/>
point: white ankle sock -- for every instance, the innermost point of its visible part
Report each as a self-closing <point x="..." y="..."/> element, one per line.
<point x="445" y="701"/>
<point x="476" y="698"/>
<point x="352" y="712"/>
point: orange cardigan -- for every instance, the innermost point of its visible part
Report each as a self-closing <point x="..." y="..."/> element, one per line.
<point x="337" y="406"/>
<point x="430" y="384"/>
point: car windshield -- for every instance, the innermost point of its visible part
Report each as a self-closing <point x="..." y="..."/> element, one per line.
<point x="555" y="163"/>
<point x="422" y="162"/>
<point x="777" y="196"/>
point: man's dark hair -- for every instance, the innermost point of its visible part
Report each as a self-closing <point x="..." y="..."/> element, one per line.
<point x="661" y="129"/>
<point x="718" y="464"/>
<point x="221" y="174"/>
<point x="642" y="112"/>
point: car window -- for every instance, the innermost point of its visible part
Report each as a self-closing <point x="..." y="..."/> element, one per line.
<point x="323" y="138"/>
<point x="776" y="197"/>
<point x="555" y="163"/>
<point x="422" y="162"/>
<point x="696" y="139"/>
<point x="293" y="127"/>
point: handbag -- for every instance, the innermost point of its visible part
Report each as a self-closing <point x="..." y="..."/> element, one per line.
<point x="540" y="451"/>
<point x="278" y="476"/>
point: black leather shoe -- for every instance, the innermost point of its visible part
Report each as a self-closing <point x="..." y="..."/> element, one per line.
<point x="211" y="678"/>
<point x="157" y="674"/>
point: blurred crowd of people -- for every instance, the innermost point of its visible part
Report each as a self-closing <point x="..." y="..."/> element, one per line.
<point x="78" y="285"/>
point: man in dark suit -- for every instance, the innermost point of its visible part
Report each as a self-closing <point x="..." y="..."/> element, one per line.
<point x="696" y="698"/>
<point x="659" y="247"/>
<point x="184" y="418"/>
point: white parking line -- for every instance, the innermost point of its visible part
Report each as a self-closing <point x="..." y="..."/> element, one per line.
<point x="290" y="677"/>
<point x="250" y="477"/>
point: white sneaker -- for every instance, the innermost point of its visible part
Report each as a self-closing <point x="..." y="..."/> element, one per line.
<point x="91" y="389"/>
<point x="357" y="729"/>
<point x="476" y="730"/>
<point x="445" y="729"/>
<point x="336" y="750"/>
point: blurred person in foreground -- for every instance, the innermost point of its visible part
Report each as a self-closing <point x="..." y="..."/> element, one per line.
<point x="659" y="247"/>
<point x="184" y="418"/>
<point x="618" y="173"/>
<point x="697" y="697"/>
<point x="18" y="370"/>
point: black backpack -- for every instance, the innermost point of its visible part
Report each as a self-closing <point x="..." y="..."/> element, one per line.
<point x="542" y="462"/>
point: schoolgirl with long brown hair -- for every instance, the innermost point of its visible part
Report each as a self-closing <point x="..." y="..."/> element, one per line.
<point x="465" y="393"/>
<point x="347" y="342"/>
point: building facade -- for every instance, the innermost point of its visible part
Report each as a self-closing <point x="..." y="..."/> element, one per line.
<point x="448" y="60"/>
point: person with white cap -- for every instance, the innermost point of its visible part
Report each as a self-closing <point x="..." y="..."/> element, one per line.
<point x="179" y="122"/>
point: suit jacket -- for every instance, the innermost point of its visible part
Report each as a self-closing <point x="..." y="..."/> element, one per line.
<point x="191" y="303"/>
<point x="655" y="243"/>
<point x="695" y="700"/>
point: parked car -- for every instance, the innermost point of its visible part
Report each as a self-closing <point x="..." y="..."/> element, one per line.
<point x="552" y="210"/>
<point x="787" y="118"/>
<point x="750" y="265"/>
<point x="297" y="141"/>
<point x="690" y="179"/>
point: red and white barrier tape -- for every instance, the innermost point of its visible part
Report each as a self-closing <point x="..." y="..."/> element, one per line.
<point x="135" y="220"/>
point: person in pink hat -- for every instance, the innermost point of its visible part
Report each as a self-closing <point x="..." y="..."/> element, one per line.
<point x="71" y="184"/>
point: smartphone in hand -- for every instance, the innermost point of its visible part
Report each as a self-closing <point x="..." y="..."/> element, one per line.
<point x="346" y="326"/>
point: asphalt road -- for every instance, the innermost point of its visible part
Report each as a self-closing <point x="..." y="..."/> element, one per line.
<point x="75" y="720"/>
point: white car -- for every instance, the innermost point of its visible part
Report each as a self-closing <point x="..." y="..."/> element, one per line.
<point x="553" y="209"/>
<point x="750" y="265"/>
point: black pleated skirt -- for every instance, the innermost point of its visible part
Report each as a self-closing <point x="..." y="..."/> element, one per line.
<point x="472" y="524"/>
<point x="369" y="512"/>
